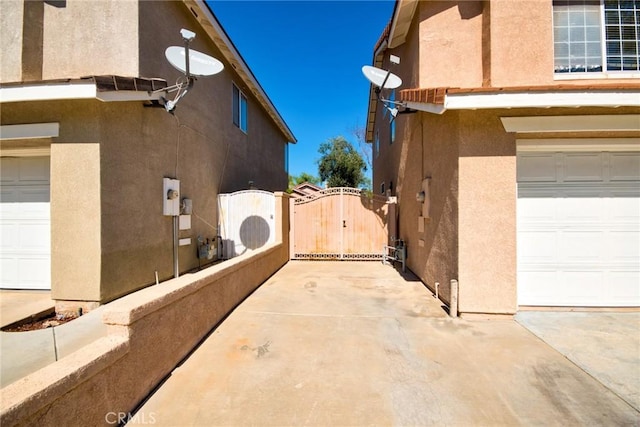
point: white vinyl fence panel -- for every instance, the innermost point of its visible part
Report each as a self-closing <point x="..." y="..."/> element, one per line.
<point x="246" y="221"/>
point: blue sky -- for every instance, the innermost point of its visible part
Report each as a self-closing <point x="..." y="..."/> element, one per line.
<point x="308" y="55"/>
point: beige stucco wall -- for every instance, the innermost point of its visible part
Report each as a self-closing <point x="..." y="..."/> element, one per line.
<point x="486" y="214"/>
<point x="11" y="13"/>
<point x="450" y="43"/>
<point x="82" y="38"/>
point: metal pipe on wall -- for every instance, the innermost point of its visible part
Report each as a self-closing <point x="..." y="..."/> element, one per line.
<point x="176" y="268"/>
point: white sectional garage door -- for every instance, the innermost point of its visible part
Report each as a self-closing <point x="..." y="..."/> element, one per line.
<point x="25" y="248"/>
<point x="579" y="228"/>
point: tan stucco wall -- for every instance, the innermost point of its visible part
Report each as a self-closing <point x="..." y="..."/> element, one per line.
<point x="487" y="215"/>
<point x="11" y="13"/>
<point x="75" y="221"/>
<point x="521" y="42"/>
<point x="82" y="38"/>
<point x="448" y="57"/>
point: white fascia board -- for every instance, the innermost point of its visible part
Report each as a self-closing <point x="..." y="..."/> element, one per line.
<point x="612" y="98"/>
<point x="578" y="123"/>
<point x="29" y="131"/>
<point x="51" y="92"/>
<point x="67" y="91"/>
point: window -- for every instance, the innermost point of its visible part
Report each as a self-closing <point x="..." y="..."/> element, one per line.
<point x="382" y="188"/>
<point x="239" y="105"/>
<point x="377" y="144"/>
<point x="596" y="35"/>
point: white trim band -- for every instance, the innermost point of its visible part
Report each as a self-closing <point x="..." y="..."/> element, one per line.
<point x="66" y="91"/>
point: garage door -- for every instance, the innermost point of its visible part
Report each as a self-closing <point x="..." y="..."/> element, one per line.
<point x="25" y="248"/>
<point x="579" y="228"/>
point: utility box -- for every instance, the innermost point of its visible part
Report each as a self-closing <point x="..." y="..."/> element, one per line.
<point x="170" y="197"/>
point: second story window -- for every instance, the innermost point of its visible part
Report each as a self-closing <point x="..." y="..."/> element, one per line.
<point x="377" y="145"/>
<point x="239" y="105"/>
<point x="596" y="36"/>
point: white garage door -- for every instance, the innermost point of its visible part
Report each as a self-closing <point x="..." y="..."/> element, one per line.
<point x="25" y="248"/>
<point x="579" y="229"/>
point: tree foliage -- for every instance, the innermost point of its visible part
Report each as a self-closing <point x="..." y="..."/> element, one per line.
<point x="340" y="164"/>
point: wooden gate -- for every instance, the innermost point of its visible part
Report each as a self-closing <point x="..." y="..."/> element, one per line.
<point x="339" y="223"/>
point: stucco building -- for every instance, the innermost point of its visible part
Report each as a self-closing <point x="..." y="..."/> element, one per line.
<point x="523" y="134"/>
<point x="84" y="151"/>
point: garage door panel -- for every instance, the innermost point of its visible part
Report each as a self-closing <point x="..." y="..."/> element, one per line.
<point x="627" y="291"/>
<point x="536" y="287"/>
<point x="588" y="254"/>
<point x="25" y="227"/>
<point x="538" y="209"/>
<point x="623" y="246"/>
<point x="580" y="246"/>
<point x="35" y="237"/>
<point x="583" y="167"/>
<point x="537" y="168"/>
<point x="576" y="207"/>
<point x="537" y="246"/>
<point x="624" y="208"/>
<point x="625" y="166"/>
<point x="33" y="169"/>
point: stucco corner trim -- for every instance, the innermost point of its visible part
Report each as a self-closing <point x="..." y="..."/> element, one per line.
<point x="30" y="131"/>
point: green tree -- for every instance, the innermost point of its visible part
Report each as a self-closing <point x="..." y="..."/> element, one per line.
<point x="340" y="164"/>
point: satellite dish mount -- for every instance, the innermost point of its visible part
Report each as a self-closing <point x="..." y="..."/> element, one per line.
<point x="190" y="62"/>
<point x="382" y="79"/>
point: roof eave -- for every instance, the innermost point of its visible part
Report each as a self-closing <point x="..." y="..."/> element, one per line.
<point x="214" y="30"/>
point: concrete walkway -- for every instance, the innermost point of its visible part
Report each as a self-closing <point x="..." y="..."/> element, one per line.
<point x="330" y="343"/>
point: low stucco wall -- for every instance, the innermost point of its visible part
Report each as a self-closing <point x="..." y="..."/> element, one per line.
<point x="150" y="332"/>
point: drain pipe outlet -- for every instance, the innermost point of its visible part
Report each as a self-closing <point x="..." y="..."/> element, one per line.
<point x="453" y="306"/>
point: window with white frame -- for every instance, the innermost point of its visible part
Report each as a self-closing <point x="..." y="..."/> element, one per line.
<point x="596" y="36"/>
<point x="239" y="105"/>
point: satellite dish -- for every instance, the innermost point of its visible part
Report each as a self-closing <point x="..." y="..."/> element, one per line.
<point x="379" y="77"/>
<point x="199" y="64"/>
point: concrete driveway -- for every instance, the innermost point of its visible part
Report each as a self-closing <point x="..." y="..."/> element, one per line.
<point x="331" y="343"/>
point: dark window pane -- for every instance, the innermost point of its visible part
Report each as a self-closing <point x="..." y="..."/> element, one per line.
<point x="611" y="18"/>
<point x="629" y="48"/>
<point x="613" y="33"/>
<point x="613" y="48"/>
<point x="629" y="32"/>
